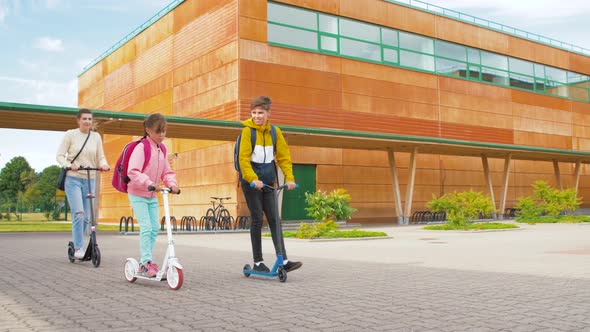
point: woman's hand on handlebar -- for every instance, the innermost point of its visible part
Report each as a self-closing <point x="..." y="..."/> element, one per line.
<point x="291" y="185"/>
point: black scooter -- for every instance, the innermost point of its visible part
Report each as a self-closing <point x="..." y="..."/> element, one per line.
<point x="92" y="251"/>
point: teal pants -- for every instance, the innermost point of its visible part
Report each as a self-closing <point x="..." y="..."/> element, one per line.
<point x="147" y="214"/>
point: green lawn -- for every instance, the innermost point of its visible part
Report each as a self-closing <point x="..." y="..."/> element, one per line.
<point x="552" y="220"/>
<point x="46" y="226"/>
<point x="470" y="227"/>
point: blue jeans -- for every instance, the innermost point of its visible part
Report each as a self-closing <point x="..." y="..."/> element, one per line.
<point x="76" y="190"/>
<point x="147" y="213"/>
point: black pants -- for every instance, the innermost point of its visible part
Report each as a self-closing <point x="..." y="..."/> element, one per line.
<point x="260" y="201"/>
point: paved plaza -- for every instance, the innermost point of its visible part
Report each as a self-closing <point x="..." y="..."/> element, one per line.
<point x="533" y="279"/>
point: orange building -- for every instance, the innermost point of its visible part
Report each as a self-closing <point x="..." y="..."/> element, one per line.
<point x="358" y="65"/>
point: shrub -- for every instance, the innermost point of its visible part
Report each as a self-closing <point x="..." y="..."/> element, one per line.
<point x="462" y="207"/>
<point x="322" y="206"/>
<point x="547" y="200"/>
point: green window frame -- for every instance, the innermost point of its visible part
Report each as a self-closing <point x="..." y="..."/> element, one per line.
<point x="364" y="41"/>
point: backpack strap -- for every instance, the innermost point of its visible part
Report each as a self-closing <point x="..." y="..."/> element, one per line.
<point x="273" y="135"/>
<point x="147" y="152"/>
<point x="253" y="137"/>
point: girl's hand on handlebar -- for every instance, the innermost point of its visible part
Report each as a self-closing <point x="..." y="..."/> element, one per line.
<point x="175" y="190"/>
<point x="291" y="185"/>
<point x="105" y="168"/>
<point x="74" y="167"/>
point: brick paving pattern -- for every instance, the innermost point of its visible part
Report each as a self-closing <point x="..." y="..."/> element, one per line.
<point x="40" y="290"/>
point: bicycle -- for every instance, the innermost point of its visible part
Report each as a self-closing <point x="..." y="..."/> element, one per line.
<point x="218" y="217"/>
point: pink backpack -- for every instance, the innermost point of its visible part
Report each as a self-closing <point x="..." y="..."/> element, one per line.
<point x="120" y="178"/>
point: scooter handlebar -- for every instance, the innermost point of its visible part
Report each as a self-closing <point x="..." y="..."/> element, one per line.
<point x="252" y="185"/>
<point x="84" y="168"/>
<point x="168" y="190"/>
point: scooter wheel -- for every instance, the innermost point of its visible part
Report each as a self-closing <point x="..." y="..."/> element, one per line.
<point x="131" y="267"/>
<point x="282" y="274"/>
<point x="174" y="277"/>
<point x="71" y="252"/>
<point x="247" y="268"/>
<point x="95" y="256"/>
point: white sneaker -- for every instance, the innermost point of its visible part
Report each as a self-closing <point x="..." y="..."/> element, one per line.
<point x="79" y="253"/>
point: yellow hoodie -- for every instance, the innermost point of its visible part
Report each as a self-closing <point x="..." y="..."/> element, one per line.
<point x="262" y="154"/>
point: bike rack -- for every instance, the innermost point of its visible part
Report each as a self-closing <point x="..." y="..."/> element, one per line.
<point x="188" y="223"/>
<point x="242" y="222"/>
<point x="172" y="222"/>
<point x="127" y="221"/>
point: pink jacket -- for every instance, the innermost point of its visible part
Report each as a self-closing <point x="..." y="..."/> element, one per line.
<point x="157" y="169"/>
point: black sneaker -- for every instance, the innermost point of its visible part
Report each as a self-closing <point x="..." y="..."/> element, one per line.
<point x="292" y="266"/>
<point x="260" y="268"/>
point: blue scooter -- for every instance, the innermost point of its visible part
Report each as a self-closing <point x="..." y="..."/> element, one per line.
<point x="277" y="268"/>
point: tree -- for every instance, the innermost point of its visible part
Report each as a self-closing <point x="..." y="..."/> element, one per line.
<point x="41" y="194"/>
<point x="15" y="177"/>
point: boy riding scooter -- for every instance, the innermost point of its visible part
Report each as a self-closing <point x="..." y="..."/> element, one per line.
<point x="257" y="167"/>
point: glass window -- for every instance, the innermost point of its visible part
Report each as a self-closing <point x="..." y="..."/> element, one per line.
<point x="522" y="81"/>
<point x="494" y="76"/>
<point x="389" y="37"/>
<point x="521" y="66"/>
<point x="449" y="50"/>
<point x="360" y="49"/>
<point x="539" y="70"/>
<point x="494" y="60"/>
<point x="293" y="37"/>
<point x="329" y="24"/>
<point x="576" y="77"/>
<point x="416" y="43"/>
<point x="390" y="55"/>
<point x="556" y="74"/>
<point x="358" y="30"/>
<point x="416" y="60"/>
<point x="292" y="16"/>
<point x="450" y="67"/>
<point x="329" y="43"/>
<point x="475" y="72"/>
<point x="473" y="56"/>
<point x="540" y="85"/>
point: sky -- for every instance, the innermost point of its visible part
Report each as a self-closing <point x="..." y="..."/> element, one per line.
<point x="46" y="43"/>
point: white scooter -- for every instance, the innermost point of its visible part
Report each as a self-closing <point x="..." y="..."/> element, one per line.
<point x="171" y="270"/>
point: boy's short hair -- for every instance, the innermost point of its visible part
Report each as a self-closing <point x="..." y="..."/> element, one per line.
<point x="261" y="101"/>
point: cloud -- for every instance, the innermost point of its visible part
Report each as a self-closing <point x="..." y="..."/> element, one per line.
<point x="50" y="44"/>
<point x="40" y="92"/>
<point x="3" y="13"/>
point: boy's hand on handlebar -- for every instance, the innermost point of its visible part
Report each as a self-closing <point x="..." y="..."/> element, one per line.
<point x="258" y="184"/>
<point x="291" y="185"/>
<point x="73" y="167"/>
<point x="105" y="168"/>
<point x="175" y="190"/>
